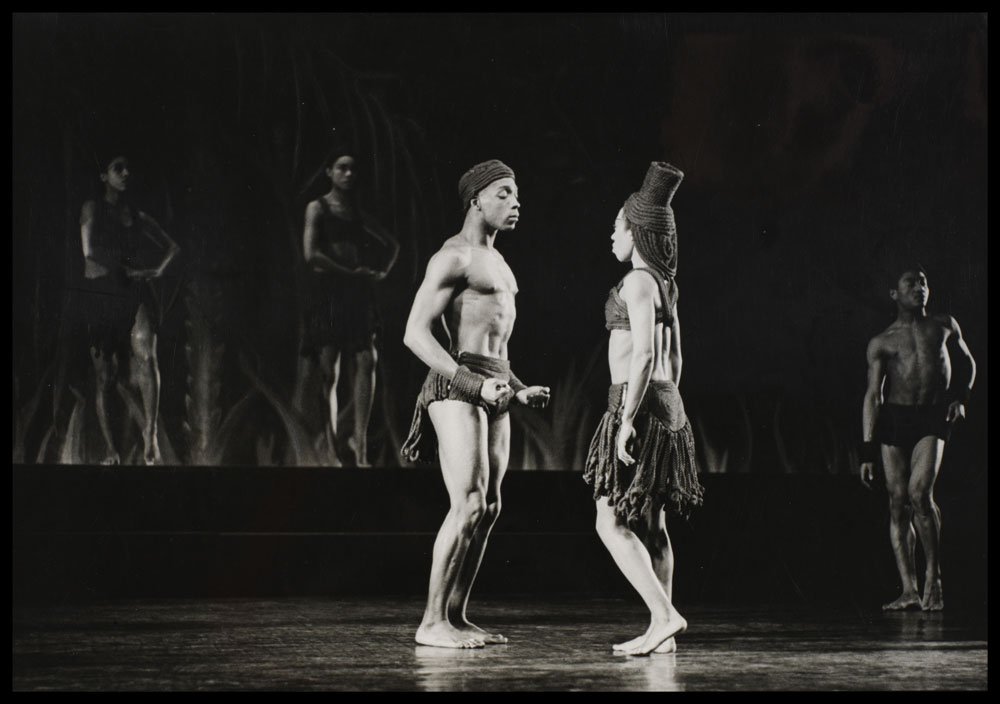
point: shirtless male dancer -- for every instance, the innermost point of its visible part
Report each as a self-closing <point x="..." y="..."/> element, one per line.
<point x="912" y="422"/>
<point x="466" y="395"/>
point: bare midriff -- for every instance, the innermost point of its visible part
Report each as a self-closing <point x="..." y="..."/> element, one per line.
<point x="620" y="355"/>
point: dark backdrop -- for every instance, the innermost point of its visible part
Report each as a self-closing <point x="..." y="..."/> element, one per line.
<point x="818" y="149"/>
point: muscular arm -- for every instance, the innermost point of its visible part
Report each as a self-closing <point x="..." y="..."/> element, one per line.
<point x="676" y="360"/>
<point x="310" y="241"/>
<point x="873" y="392"/>
<point x="961" y="350"/>
<point x="444" y="274"/>
<point x="91" y="251"/>
<point x="639" y="294"/>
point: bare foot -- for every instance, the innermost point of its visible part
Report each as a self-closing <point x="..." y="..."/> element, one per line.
<point x="474" y="631"/>
<point x="905" y="601"/>
<point x="659" y="633"/>
<point x="323" y="447"/>
<point x="444" y="635"/>
<point x="151" y="454"/>
<point x="360" y="456"/>
<point x="113" y="458"/>
<point x="933" y="596"/>
<point x="667" y="646"/>
<point x="629" y="644"/>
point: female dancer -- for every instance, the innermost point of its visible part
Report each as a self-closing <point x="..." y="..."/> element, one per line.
<point x="116" y="305"/>
<point x="346" y="256"/>
<point x="642" y="456"/>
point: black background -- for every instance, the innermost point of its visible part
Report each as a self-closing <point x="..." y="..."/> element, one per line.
<point x="818" y="150"/>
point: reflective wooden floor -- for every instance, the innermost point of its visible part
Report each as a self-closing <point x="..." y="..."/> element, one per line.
<point x="356" y="645"/>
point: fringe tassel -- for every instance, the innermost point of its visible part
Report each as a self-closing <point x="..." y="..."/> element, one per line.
<point x="664" y="475"/>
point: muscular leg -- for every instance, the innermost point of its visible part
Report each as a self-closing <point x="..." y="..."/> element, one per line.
<point x="661" y="553"/>
<point x="925" y="463"/>
<point x="462" y="435"/>
<point x="499" y="452"/>
<point x="635" y="563"/>
<point x="897" y="474"/>
<point x="364" y="395"/>
<point x="329" y="363"/>
<point x="146" y="373"/>
<point x="105" y="370"/>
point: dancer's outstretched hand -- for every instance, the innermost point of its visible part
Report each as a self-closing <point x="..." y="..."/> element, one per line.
<point x="534" y="396"/>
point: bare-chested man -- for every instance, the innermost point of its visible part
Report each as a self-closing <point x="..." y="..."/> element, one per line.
<point x="912" y="423"/>
<point x="468" y="286"/>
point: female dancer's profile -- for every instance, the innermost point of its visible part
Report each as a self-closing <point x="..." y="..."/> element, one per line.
<point x="642" y="456"/>
<point x="346" y="254"/>
<point x="116" y="306"/>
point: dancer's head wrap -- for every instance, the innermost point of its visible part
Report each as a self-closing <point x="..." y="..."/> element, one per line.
<point x="479" y="177"/>
<point x="651" y="218"/>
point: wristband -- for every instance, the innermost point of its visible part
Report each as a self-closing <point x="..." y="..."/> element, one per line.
<point x="869" y="451"/>
<point x="466" y="385"/>
<point x="515" y="383"/>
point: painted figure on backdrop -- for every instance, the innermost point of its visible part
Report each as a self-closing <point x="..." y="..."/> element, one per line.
<point x="346" y="253"/>
<point x="124" y="249"/>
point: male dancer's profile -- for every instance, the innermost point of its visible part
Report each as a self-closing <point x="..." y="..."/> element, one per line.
<point x="466" y="394"/>
<point x="911" y="421"/>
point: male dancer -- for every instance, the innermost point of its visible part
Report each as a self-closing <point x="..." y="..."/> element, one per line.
<point x="912" y="424"/>
<point x="466" y="394"/>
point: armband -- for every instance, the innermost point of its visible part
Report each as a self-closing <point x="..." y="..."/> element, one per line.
<point x="467" y="386"/>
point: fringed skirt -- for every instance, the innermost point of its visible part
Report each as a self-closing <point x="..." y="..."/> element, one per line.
<point x="665" y="474"/>
<point x="421" y="443"/>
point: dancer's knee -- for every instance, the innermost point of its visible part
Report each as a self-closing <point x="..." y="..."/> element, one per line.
<point x="899" y="506"/>
<point x="366" y="360"/>
<point x="492" y="510"/>
<point x="471" y="509"/>
<point x="922" y="501"/>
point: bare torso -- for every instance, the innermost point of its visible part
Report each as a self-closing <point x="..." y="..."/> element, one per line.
<point x="620" y="351"/>
<point x="916" y="360"/>
<point x="480" y="316"/>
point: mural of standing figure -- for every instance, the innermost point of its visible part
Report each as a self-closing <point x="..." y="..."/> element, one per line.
<point x="346" y="254"/>
<point x="116" y="305"/>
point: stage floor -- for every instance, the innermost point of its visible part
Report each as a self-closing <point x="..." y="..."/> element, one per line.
<point x="359" y="645"/>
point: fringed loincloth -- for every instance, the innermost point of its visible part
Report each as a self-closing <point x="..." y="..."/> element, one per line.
<point x="421" y="443"/>
<point x="665" y="473"/>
